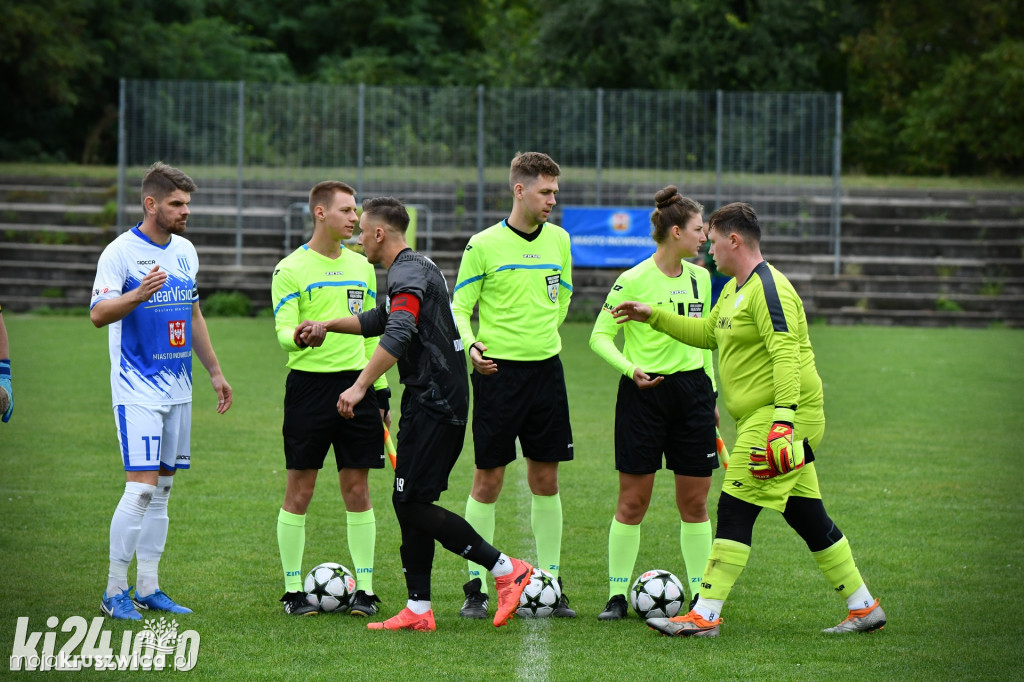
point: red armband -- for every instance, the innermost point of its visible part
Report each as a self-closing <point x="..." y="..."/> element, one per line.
<point x="408" y="303"/>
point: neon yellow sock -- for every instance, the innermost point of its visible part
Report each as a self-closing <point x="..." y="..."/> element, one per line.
<point x="840" y="571"/>
<point x="695" y="543"/>
<point x="546" y="519"/>
<point x="362" y="537"/>
<point x="480" y="515"/>
<point x="623" y="546"/>
<point x="727" y="560"/>
<point x="291" y="541"/>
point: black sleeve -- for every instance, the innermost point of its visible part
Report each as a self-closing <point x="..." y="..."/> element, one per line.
<point x="372" y="322"/>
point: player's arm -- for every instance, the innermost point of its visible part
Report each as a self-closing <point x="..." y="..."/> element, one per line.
<point x="776" y="319"/>
<point x="111" y="310"/>
<point x="775" y="316"/>
<point x="468" y="284"/>
<point x="5" y="373"/>
<point x="709" y="365"/>
<point x="690" y="330"/>
<point x="286" y="298"/>
<point x="602" y="336"/>
<point x="565" y="283"/>
<point x="203" y="348"/>
<point x="400" y="328"/>
<point x="370" y="342"/>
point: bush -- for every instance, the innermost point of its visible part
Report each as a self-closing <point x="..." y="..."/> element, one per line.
<point x="225" y="304"/>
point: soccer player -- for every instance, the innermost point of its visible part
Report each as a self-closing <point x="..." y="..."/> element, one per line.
<point x="418" y="333"/>
<point x="145" y="290"/>
<point x="520" y="273"/>
<point x="315" y="282"/>
<point x="6" y="392"/>
<point x="772" y="389"/>
<point x="666" y="397"/>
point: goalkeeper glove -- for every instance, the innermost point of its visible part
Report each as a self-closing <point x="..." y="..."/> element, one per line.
<point x="780" y="451"/>
<point x="6" y="400"/>
<point x="760" y="465"/>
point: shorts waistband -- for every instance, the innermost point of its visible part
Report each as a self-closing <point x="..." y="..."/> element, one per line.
<point x="554" y="359"/>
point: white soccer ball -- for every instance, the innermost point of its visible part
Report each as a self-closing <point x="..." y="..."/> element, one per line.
<point x="541" y="595"/>
<point x="330" y="587"/>
<point x="657" y="594"/>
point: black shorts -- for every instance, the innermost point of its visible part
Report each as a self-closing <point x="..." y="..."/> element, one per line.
<point x="427" y="452"/>
<point x="312" y="423"/>
<point x="676" y="417"/>
<point x="524" y="400"/>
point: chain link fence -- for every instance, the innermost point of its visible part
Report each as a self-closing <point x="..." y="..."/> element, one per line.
<point x="255" y="150"/>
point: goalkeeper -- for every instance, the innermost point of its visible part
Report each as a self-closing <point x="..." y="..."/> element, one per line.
<point x="772" y="389"/>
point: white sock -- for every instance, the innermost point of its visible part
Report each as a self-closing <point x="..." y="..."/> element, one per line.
<point x="861" y="599"/>
<point x="709" y="609"/>
<point x="418" y="606"/>
<point x="503" y="567"/>
<point x="125" y="525"/>
<point x="153" y="538"/>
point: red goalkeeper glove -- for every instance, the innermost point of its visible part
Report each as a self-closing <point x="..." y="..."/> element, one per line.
<point x="781" y="455"/>
<point x="781" y="452"/>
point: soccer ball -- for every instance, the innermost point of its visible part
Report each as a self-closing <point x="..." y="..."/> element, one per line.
<point x="541" y="595"/>
<point x="329" y="587"/>
<point x="657" y="594"/>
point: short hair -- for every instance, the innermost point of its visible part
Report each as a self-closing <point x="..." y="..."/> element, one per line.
<point x="388" y="209"/>
<point x="527" y="166"/>
<point x="737" y="217"/>
<point x="161" y="180"/>
<point x="671" y="208"/>
<point x="323" y="193"/>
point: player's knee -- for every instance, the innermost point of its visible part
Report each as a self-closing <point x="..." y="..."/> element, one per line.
<point x="812" y="523"/>
<point x="736" y="519"/>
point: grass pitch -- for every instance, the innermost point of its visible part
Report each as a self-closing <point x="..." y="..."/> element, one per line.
<point x="921" y="467"/>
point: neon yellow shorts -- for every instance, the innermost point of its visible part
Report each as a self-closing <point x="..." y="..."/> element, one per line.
<point x="752" y="431"/>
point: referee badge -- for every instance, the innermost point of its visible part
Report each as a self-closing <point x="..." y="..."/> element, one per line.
<point x="553" y="282"/>
<point x="355" y="301"/>
<point x="695" y="309"/>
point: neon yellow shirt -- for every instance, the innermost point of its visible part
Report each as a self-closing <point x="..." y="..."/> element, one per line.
<point x="310" y="286"/>
<point x="764" y="351"/>
<point x="523" y="289"/>
<point x="688" y="294"/>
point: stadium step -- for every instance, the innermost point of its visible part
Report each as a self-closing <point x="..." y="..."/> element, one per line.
<point x="928" y="257"/>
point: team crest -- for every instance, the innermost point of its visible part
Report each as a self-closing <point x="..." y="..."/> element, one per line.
<point x="355" y="301"/>
<point x="553" y="282"/>
<point x="176" y="333"/>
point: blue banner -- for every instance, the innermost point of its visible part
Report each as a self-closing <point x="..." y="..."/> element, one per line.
<point x="608" y="236"/>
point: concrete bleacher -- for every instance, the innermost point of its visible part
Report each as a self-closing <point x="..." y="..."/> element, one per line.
<point x="906" y="257"/>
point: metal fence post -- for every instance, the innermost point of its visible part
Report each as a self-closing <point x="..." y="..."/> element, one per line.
<point x="718" y="148"/>
<point x="241" y="173"/>
<point x="361" y="137"/>
<point x="837" y="164"/>
<point x="597" y="150"/>
<point x="480" y="158"/>
<point x="122" y="154"/>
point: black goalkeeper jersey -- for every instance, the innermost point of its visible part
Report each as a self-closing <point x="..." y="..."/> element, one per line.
<point x="423" y="336"/>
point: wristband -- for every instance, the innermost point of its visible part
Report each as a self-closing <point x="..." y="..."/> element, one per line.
<point x="473" y="345"/>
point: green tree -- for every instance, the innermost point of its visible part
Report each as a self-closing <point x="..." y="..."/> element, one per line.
<point x="902" y="64"/>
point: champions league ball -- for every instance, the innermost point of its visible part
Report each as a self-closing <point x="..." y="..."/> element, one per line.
<point x="540" y="597"/>
<point x="657" y="594"/>
<point x="329" y="587"/>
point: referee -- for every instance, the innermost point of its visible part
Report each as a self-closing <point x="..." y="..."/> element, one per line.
<point x="520" y="273"/>
<point x="666" y="397"/>
<point x="319" y="280"/>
